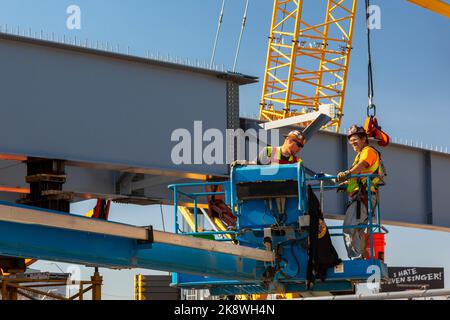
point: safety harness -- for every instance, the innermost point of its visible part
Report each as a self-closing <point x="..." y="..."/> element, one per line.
<point x="275" y="156"/>
<point x="357" y="187"/>
<point x="355" y="184"/>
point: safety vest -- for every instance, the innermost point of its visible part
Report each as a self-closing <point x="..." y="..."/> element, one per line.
<point x="275" y="156"/>
<point x="354" y="183"/>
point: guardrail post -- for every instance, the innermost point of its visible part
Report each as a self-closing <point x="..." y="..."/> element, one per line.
<point x="195" y="216"/>
<point x="175" y="208"/>
<point x="369" y="210"/>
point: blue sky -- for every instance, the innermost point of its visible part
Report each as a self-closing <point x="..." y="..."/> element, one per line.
<point x="411" y="76"/>
<point x="410" y="50"/>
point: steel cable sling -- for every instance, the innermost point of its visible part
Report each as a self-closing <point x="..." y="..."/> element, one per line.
<point x="371" y="108"/>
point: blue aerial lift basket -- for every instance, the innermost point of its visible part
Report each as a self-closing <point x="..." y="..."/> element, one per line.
<point x="270" y="205"/>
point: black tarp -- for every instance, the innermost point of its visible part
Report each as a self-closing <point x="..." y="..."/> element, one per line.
<point x="322" y="254"/>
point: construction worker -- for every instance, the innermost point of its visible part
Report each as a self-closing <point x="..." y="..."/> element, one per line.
<point x="367" y="161"/>
<point x="293" y="144"/>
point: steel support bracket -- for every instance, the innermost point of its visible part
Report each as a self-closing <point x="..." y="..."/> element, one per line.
<point x="150" y="238"/>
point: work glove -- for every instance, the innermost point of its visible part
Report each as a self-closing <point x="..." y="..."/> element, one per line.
<point x="342" y="176"/>
<point x="242" y="163"/>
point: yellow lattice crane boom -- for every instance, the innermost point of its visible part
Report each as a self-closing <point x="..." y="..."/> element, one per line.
<point x="308" y="57"/>
<point x="437" y="6"/>
<point x="307" y="60"/>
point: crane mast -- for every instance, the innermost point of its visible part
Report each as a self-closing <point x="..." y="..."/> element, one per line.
<point x="307" y="60"/>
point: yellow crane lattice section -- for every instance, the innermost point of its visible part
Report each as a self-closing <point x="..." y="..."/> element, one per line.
<point x="308" y="58"/>
<point x="437" y="6"/>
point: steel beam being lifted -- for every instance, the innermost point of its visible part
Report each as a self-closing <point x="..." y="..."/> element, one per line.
<point x="55" y="236"/>
<point x="144" y="102"/>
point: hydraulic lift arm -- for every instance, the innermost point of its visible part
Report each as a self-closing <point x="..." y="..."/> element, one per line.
<point x="48" y="235"/>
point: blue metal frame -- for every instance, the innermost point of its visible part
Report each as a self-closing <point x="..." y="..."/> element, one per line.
<point x="249" y="231"/>
<point x="370" y="225"/>
<point x="194" y="196"/>
<point x="359" y="270"/>
<point x="86" y="248"/>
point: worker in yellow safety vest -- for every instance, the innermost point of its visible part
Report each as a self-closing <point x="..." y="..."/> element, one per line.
<point x="293" y="144"/>
<point x="367" y="161"/>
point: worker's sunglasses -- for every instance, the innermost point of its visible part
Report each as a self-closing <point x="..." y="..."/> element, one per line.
<point x="300" y="145"/>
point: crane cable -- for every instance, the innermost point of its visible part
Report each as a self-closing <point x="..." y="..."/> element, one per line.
<point x="371" y="108"/>
<point x="244" y="20"/>
<point x="213" y="56"/>
<point x="371" y="125"/>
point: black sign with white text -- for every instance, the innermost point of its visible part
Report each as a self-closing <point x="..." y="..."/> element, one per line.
<point x="412" y="278"/>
